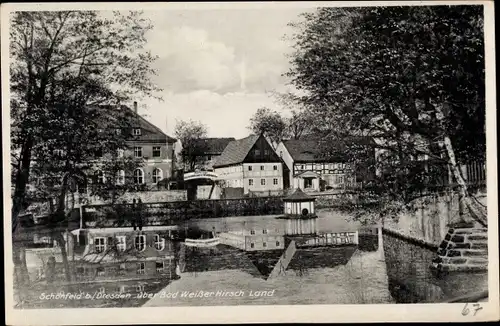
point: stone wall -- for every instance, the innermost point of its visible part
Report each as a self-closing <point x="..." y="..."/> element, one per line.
<point x="463" y="249"/>
<point x="432" y="217"/>
<point x="411" y="278"/>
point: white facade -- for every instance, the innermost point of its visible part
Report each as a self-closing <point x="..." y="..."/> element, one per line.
<point x="299" y="208"/>
<point x="253" y="177"/>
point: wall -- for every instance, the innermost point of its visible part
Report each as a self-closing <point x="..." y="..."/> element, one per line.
<point x="155" y="196"/>
<point x="232" y="175"/>
<point x="203" y="192"/>
<point x="268" y="174"/>
<point x="430" y="222"/>
<point x="170" y="213"/>
<point x="411" y="279"/>
<point x="287" y="158"/>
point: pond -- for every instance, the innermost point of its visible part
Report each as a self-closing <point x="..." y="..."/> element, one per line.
<point x="263" y="268"/>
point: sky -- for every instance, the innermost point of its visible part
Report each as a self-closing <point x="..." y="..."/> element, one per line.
<point x="218" y="66"/>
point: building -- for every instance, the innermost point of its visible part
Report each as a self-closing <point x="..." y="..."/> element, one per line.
<point x="299" y="205"/>
<point x="121" y="253"/>
<point x="311" y="170"/>
<point x="154" y="147"/>
<point x="209" y="150"/>
<point x="251" y="166"/>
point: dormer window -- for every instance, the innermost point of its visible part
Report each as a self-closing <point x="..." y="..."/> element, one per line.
<point x="137" y="131"/>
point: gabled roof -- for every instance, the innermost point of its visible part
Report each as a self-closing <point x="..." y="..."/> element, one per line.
<point x="213" y="145"/>
<point x="307" y="174"/>
<point x="150" y="132"/>
<point x="236" y="151"/>
<point x="310" y="151"/>
<point x="299" y="195"/>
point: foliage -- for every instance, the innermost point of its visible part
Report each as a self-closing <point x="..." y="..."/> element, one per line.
<point x="269" y="123"/>
<point x="68" y="70"/>
<point x="190" y="134"/>
<point x="407" y="76"/>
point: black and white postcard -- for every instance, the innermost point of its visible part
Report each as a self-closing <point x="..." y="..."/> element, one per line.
<point x="249" y="162"/>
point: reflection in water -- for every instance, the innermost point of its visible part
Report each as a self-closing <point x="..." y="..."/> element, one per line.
<point x="318" y="261"/>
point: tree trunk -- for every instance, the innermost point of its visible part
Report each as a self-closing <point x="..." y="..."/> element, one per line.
<point x="64" y="255"/>
<point x="476" y="211"/>
<point x="22" y="177"/>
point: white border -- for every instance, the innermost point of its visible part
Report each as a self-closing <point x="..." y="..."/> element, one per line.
<point x="240" y="314"/>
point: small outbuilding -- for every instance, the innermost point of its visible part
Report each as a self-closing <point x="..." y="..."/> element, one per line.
<point x="299" y="205"/>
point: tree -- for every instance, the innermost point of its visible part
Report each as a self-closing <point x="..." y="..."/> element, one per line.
<point x="69" y="71"/>
<point x="269" y="123"/>
<point x="47" y="50"/>
<point x="191" y="134"/>
<point x="412" y="77"/>
<point x="301" y="122"/>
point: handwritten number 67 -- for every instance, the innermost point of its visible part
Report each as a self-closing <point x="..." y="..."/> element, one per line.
<point x="466" y="309"/>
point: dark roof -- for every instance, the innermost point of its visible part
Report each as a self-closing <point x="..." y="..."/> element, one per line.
<point x="236" y="151"/>
<point x="213" y="145"/>
<point x="311" y="151"/>
<point x="299" y="195"/>
<point x="150" y="132"/>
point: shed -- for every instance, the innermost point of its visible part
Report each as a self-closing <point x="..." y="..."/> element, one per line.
<point x="299" y="205"/>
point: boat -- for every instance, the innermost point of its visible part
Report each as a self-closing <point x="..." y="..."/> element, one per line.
<point x="202" y="243"/>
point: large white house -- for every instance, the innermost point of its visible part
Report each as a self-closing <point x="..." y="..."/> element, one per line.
<point x="251" y="166"/>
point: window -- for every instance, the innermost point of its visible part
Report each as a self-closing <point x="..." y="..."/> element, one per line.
<point x="120" y="153"/>
<point x="266" y="152"/>
<point x="252" y="245"/>
<point x="281" y="153"/>
<point x="275" y="181"/>
<point x="140" y="242"/>
<point x="157" y="175"/>
<point x="100" y="244"/>
<point x="159" y="266"/>
<point x="264" y="244"/>
<point x="252" y="231"/>
<point x="100" y="177"/>
<point x="138" y="176"/>
<point x="141" y="268"/>
<point x="277" y="243"/>
<point x="156" y="151"/>
<point x="249" y="168"/>
<point x="250" y="182"/>
<point x="100" y="271"/>
<point x="257" y="152"/>
<point x="308" y="183"/>
<point x="121" y="243"/>
<point x="137" y="131"/>
<point x="120" y="177"/>
<point x="262" y="167"/>
<point x="159" y="242"/>
<point x="263" y="182"/>
<point x="264" y="231"/>
<point x="275" y="167"/>
<point x="137" y="151"/>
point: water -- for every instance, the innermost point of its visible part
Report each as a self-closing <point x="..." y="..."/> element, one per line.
<point x="227" y="275"/>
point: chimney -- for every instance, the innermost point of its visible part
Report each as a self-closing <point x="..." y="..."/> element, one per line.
<point x="135" y="107"/>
